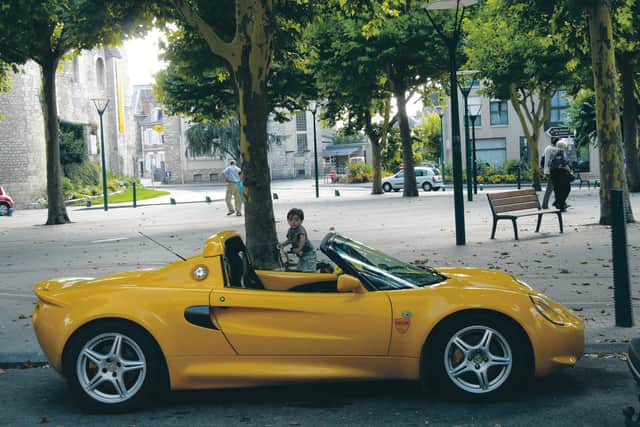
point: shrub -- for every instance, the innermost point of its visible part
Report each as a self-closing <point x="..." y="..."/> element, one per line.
<point x="360" y="172"/>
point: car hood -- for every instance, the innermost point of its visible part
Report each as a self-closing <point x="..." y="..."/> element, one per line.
<point x="57" y="291"/>
<point x="478" y="278"/>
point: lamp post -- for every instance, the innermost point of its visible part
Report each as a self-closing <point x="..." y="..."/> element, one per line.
<point x="101" y="105"/>
<point x="465" y="88"/>
<point x="451" y="42"/>
<point x="440" y="112"/>
<point x="314" y="110"/>
<point x="475" y="112"/>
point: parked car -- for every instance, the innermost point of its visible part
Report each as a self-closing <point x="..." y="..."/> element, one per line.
<point x="6" y="202"/>
<point x="426" y="178"/>
<point x="214" y="321"/>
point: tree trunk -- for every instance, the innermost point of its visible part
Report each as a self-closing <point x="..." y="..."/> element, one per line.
<point x="531" y="122"/>
<point x="399" y="91"/>
<point x="607" y="114"/>
<point x="630" y="130"/>
<point x="57" y="211"/>
<point x="376" y="148"/>
<point x="251" y="75"/>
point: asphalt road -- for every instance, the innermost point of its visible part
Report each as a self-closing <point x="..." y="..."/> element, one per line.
<point x="591" y="394"/>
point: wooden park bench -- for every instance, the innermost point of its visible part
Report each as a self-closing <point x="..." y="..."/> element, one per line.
<point x="588" y="178"/>
<point x="514" y="204"/>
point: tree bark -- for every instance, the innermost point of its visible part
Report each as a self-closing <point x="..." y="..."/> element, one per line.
<point x="532" y="119"/>
<point x="376" y="148"/>
<point x="256" y="34"/>
<point x="57" y="211"/>
<point x="410" y="188"/>
<point x="612" y="173"/>
<point x="629" y="125"/>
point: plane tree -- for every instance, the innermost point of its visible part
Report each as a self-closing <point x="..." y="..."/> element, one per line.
<point x="518" y="61"/>
<point x="46" y="32"/>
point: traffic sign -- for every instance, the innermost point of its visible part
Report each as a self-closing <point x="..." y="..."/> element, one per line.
<point x="167" y="174"/>
<point x="558" y="132"/>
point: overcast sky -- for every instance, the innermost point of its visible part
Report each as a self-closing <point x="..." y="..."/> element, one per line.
<point x="143" y="60"/>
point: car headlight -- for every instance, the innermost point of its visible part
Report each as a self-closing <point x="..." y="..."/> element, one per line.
<point x="522" y="283"/>
<point x="545" y="308"/>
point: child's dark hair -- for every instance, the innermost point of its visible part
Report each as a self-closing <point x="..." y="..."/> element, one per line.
<point x="297" y="212"/>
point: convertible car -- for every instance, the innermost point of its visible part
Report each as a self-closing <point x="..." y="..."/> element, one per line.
<point x="213" y="321"/>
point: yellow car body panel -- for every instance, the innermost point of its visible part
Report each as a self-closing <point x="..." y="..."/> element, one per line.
<point x="271" y="335"/>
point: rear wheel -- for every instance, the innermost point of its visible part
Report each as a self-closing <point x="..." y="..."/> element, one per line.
<point x="386" y="187"/>
<point x="113" y="367"/>
<point x="426" y="186"/>
<point x="477" y="357"/>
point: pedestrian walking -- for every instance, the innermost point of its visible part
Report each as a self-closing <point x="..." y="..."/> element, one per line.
<point x="561" y="176"/>
<point x="549" y="152"/>
<point x="234" y="184"/>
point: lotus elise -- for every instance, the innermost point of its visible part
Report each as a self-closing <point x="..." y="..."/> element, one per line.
<point x="213" y="321"/>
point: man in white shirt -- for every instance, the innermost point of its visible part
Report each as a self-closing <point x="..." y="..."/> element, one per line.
<point x="549" y="153"/>
<point x="232" y="176"/>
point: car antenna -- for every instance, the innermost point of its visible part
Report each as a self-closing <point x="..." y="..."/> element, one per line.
<point x="162" y="246"/>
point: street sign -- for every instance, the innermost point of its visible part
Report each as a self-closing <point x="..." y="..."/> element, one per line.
<point x="167" y="174"/>
<point x="558" y="132"/>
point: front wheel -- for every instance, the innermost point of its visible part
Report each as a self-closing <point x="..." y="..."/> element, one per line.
<point x="477" y="357"/>
<point x="386" y="187"/>
<point x="4" y="209"/>
<point x="113" y="367"/>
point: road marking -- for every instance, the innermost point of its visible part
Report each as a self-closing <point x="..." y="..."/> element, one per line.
<point x="116" y="239"/>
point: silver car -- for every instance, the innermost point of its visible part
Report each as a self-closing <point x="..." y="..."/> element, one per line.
<point x="426" y="178"/>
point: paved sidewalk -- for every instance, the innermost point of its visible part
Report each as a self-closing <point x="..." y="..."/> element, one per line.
<point x="574" y="268"/>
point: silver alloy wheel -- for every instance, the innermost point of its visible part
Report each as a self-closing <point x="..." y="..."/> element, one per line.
<point x="4" y="209"/>
<point x="426" y="186"/>
<point x="111" y="368"/>
<point x="478" y="359"/>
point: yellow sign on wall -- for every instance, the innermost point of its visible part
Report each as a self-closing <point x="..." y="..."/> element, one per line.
<point x="158" y="128"/>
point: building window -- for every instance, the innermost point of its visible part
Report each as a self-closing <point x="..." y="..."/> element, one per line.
<point x="301" y="138"/>
<point x="301" y="122"/>
<point x="100" y="73"/>
<point x="492" y="152"/>
<point x="559" y="107"/>
<point x="474" y="101"/>
<point x="499" y="113"/>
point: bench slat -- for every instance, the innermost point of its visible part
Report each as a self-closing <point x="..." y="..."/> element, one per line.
<point x="514" y="193"/>
<point x="517" y="206"/>
<point x="514" y="200"/>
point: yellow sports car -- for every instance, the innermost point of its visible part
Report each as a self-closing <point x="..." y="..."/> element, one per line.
<point x="212" y="321"/>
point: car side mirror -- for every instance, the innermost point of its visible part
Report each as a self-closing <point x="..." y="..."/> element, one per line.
<point x="348" y="283"/>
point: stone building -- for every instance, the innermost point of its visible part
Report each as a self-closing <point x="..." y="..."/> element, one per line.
<point x="99" y="73"/>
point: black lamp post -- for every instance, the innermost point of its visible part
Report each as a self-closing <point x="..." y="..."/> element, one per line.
<point x="440" y="112"/>
<point x="314" y="110"/>
<point x="475" y="112"/>
<point x="101" y="105"/>
<point x="451" y="42"/>
<point x="465" y="88"/>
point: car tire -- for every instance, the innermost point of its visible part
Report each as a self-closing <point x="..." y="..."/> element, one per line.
<point x="114" y="367"/>
<point x="4" y="209"/>
<point x="477" y="357"/>
<point x="426" y="186"/>
<point x="396" y="189"/>
<point x="386" y="187"/>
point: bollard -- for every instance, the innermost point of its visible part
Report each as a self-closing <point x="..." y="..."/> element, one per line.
<point x="88" y="203"/>
<point x="135" y="201"/>
<point x="275" y="196"/>
<point x="173" y="201"/>
<point x="519" y="187"/>
<point x="207" y="199"/>
<point x="337" y="193"/>
<point x="621" y="292"/>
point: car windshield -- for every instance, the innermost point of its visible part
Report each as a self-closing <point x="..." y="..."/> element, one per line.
<point x="383" y="271"/>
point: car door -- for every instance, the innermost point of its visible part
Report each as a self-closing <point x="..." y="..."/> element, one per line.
<point x="398" y="180"/>
<point x="263" y="322"/>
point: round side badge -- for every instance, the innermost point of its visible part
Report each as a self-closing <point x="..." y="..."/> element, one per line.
<point x="200" y="272"/>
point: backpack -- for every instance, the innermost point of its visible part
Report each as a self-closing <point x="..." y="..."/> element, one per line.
<point x="557" y="162"/>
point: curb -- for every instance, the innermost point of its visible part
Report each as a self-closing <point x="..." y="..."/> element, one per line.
<point x="31" y="360"/>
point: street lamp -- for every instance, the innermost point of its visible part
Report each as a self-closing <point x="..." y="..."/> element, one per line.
<point x="440" y="112"/>
<point x="314" y="110"/>
<point x="451" y="42"/>
<point x="465" y="88"/>
<point x="475" y="112"/>
<point x="101" y="105"/>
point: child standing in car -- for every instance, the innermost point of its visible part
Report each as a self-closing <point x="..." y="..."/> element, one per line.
<point x="299" y="240"/>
